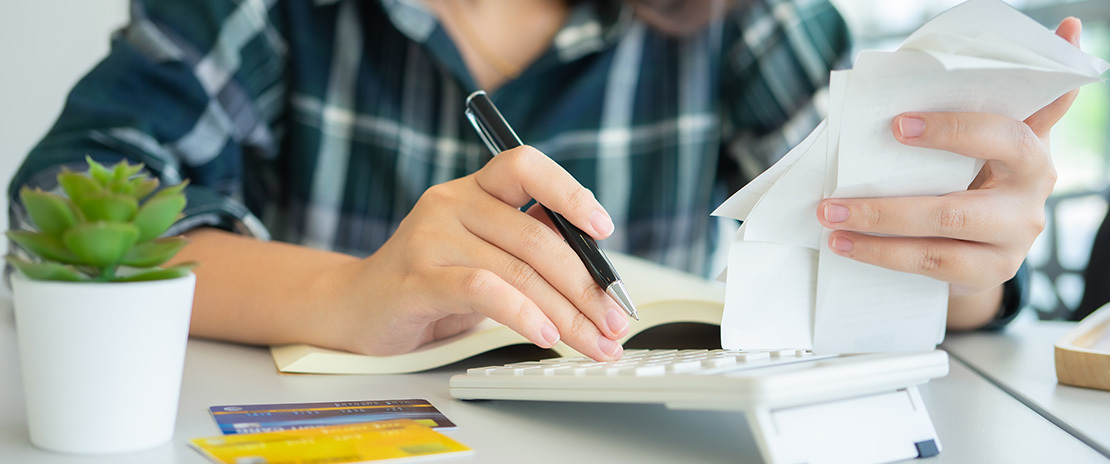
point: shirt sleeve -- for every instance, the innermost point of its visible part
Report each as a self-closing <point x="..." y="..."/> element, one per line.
<point x="189" y="89"/>
<point x="1015" y="295"/>
<point x="777" y="56"/>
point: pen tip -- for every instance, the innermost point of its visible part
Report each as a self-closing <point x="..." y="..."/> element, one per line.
<point x="617" y="291"/>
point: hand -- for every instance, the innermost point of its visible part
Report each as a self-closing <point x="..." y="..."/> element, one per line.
<point x="466" y="252"/>
<point x="974" y="239"/>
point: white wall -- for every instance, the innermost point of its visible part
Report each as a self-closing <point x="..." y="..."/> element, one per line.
<point x="45" y="47"/>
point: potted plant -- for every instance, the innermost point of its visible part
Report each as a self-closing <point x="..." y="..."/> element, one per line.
<point x="102" y="327"/>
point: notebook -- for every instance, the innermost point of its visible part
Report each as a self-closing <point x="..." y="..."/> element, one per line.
<point x="662" y="296"/>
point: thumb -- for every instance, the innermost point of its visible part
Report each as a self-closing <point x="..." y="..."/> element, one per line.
<point x="1042" y="121"/>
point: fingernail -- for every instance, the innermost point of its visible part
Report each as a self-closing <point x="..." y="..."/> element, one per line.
<point x="550" y="334"/>
<point x="611" y="348"/>
<point x="835" y="213"/>
<point x="617" y="323"/>
<point x="601" y="223"/>
<point x="911" y="127"/>
<point x="842" y="244"/>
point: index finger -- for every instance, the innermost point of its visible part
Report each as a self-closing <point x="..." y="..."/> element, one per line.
<point x="985" y="136"/>
<point x="518" y="175"/>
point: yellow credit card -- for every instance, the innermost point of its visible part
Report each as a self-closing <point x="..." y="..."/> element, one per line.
<point x="370" y="441"/>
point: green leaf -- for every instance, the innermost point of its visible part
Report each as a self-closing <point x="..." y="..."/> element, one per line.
<point x="108" y="207"/>
<point x="51" y="213"/>
<point x="172" y="190"/>
<point x="101" y="244"/>
<point x="122" y="171"/>
<point x="172" y="272"/>
<point x="98" y="172"/>
<point x="141" y="187"/>
<point x="122" y="187"/>
<point x="77" y="185"/>
<point x="44" y="246"/>
<point x="157" y="214"/>
<point x="119" y="171"/>
<point x="45" y="271"/>
<point x="154" y="252"/>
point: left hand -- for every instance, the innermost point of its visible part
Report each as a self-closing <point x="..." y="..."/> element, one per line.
<point x="974" y="239"/>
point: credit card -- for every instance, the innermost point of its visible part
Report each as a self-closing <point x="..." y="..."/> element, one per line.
<point x="336" y="444"/>
<point x="255" y="418"/>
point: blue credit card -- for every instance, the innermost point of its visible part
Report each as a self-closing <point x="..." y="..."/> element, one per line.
<point x="256" y="418"/>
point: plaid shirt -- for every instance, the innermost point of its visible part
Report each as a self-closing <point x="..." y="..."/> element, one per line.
<point x="321" y="123"/>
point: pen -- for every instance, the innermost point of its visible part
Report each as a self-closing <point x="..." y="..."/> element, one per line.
<point x="498" y="136"/>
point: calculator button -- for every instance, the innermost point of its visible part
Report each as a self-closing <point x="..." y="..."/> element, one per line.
<point x="684" y="366"/>
<point x="719" y="361"/>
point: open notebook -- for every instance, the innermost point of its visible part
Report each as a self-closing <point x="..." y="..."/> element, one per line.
<point x="661" y="295"/>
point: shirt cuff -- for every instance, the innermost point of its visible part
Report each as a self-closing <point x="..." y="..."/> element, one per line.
<point x="1015" y="295"/>
<point x="206" y="208"/>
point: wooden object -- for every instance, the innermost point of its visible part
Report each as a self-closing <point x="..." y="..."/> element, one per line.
<point x="1083" y="354"/>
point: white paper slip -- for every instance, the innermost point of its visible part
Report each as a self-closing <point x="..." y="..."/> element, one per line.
<point x="740" y="204"/>
<point x="981" y="56"/>
<point x="874" y="309"/>
<point x="770" y="304"/>
<point x="787" y="213"/>
<point x="978" y="18"/>
<point x="872" y="163"/>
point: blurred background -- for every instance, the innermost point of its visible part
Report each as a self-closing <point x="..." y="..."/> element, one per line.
<point x="47" y="45"/>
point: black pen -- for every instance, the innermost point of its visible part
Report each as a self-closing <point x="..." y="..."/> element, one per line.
<point x="498" y="136"/>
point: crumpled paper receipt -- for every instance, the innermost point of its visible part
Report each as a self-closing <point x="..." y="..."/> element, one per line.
<point x="785" y="288"/>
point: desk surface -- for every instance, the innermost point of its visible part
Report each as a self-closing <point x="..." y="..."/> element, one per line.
<point x="977" y="422"/>
<point x="1021" y="361"/>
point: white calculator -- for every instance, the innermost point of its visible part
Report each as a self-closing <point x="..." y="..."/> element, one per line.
<point x="802" y="407"/>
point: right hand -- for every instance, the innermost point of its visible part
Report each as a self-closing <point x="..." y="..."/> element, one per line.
<point x="466" y="252"/>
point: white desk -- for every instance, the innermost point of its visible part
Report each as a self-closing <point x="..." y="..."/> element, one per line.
<point x="1021" y="361"/>
<point x="976" y="421"/>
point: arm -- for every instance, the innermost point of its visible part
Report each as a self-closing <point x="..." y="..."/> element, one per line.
<point x="974" y="239"/>
<point x="464" y="252"/>
<point x="968" y="312"/>
<point x="152" y="102"/>
<point x="242" y="278"/>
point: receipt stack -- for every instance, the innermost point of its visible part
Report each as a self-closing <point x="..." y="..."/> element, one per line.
<point x="785" y="288"/>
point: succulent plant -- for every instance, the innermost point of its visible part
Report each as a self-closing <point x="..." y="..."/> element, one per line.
<point x="106" y="228"/>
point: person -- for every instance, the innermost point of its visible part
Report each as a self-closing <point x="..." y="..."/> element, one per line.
<point x="1096" y="275"/>
<point x="336" y="129"/>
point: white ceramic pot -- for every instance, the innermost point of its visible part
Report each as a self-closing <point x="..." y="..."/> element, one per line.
<point x="102" y="362"/>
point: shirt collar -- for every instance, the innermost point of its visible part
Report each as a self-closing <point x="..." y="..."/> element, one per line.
<point x="590" y="26"/>
<point x="411" y="17"/>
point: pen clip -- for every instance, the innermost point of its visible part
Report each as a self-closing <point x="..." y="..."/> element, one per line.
<point x="482" y="132"/>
